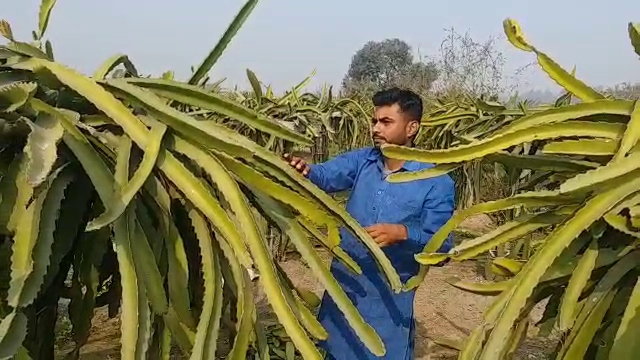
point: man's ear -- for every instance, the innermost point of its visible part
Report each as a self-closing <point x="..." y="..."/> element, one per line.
<point x="413" y="127"/>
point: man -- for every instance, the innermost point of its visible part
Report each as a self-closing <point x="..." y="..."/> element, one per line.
<point x="401" y="218"/>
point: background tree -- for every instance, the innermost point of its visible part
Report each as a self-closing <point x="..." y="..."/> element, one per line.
<point x="624" y="90"/>
<point x="388" y="63"/>
<point x="473" y="68"/>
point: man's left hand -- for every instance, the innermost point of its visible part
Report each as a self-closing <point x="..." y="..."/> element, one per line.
<point x="387" y="234"/>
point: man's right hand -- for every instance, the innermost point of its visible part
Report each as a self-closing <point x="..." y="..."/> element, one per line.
<point x="297" y="163"/>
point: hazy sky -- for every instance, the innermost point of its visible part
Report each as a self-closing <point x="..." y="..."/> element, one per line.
<point x="284" y="40"/>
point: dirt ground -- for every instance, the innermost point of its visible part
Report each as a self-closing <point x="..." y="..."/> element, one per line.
<point x="442" y="311"/>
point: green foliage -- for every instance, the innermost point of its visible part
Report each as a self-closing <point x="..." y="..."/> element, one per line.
<point x="340" y="120"/>
<point x="144" y="195"/>
<point x="202" y="70"/>
<point x="584" y="159"/>
<point x="455" y="120"/>
<point x="332" y="122"/>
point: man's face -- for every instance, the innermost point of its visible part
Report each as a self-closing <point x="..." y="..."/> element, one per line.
<point x="391" y="126"/>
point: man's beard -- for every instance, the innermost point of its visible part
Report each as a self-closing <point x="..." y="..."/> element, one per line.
<point x="378" y="141"/>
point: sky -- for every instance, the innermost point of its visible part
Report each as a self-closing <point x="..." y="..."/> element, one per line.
<point x="283" y="41"/>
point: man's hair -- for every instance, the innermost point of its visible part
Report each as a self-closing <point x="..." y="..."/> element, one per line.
<point x="409" y="102"/>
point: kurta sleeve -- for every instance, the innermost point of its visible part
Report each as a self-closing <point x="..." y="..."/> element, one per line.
<point x="436" y="211"/>
<point x="337" y="174"/>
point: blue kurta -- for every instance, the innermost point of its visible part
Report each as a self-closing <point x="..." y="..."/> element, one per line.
<point x="423" y="206"/>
